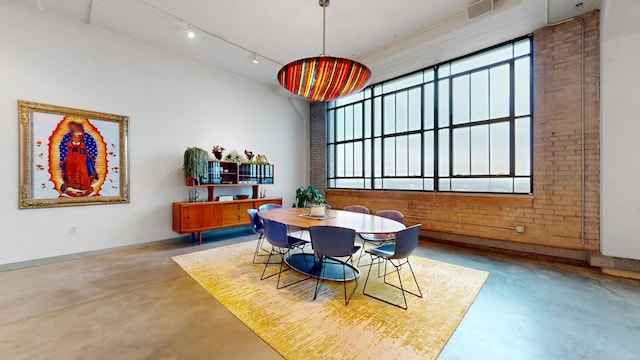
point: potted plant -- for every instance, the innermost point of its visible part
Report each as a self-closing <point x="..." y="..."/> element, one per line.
<point x="235" y="157"/>
<point x="217" y="151"/>
<point x="194" y="165"/>
<point x="312" y="197"/>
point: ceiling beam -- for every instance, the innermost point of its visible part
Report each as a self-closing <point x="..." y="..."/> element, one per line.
<point x="91" y="3"/>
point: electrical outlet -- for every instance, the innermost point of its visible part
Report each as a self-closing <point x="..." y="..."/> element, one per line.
<point x="520" y="229"/>
<point x="73" y="230"/>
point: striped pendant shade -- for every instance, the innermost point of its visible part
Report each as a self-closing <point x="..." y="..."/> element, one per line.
<point x="324" y="78"/>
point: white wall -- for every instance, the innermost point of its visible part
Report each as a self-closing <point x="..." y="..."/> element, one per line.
<point x="172" y="103"/>
<point x="620" y="141"/>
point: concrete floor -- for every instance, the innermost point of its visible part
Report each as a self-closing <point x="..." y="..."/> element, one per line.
<point x="139" y="305"/>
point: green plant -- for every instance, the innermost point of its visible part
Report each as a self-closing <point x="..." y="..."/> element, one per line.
<point x="235" y="157"/>
<point x="308" y="196"/>
<point x="194" y="163"/>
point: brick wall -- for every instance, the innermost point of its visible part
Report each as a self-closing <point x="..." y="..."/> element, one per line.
<point x="552" y="215"/>
<point x="318" y="146"/>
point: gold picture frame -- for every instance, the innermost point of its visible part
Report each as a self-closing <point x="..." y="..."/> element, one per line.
<point x="72" y="157"/>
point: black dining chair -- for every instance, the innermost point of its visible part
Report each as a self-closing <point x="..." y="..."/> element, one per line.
<point x="276" y="234"/>
<point x="397" y="254"/>
<point x="329" y="243"/>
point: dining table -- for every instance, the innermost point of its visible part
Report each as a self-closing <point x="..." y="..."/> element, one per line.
<point x="332" y="270"/>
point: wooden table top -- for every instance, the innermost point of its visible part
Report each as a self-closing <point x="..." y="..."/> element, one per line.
<point x="361" y="223"/>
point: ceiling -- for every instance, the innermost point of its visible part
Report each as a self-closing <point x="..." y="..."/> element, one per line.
<point x="391" y="37"/>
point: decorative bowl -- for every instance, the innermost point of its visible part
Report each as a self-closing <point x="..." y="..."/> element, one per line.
<point x="242" y="197"/>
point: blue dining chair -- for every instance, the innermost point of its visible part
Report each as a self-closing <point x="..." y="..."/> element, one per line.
<point x="269" y="206"/>
<point x="397" y="254"/>
<point x="379" y="239"/>
<point x="357" y="208"/>
<point x="276" y="234"/>
<point x="329" y="243"/>
<point x="258" y="229"/>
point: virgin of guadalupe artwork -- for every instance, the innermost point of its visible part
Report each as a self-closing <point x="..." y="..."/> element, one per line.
<point x="72" y="157"/>
<point x="78" y="153"/>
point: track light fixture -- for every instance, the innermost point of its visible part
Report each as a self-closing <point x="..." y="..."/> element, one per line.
<point x="255" y="59"/>
<point x="190" y="33"/>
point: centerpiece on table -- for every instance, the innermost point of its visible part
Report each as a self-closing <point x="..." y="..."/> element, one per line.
<point x="311" y="197"/>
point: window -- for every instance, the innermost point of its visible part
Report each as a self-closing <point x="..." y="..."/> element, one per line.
<point x="464" y="125"/>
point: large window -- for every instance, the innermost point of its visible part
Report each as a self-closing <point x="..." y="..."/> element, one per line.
<point x="463" y="125"/>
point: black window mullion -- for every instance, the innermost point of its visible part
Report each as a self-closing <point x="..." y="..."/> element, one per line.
<point x="512" y="122"/>
<point x="436" y="122"/>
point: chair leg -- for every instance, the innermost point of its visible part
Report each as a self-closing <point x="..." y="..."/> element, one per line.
<point x="344" y="276"/>
<point x="258" y="246"/>
<point x="321" y="275"/>
<point x="401" y="287"/>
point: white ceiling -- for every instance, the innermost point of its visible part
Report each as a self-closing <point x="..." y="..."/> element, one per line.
<point x="392" y="37"/>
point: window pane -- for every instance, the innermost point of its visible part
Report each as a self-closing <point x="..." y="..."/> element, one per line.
<point x="402" y="156"/>
<point x="428" y="75"/>
<point x="499" y="91"/>
<point x="523" y="146"/>
<point x="428" y="185"/>
<point x="443" y="103"/>
<point x="402" y="83"/>
<point x="367" y="118"/>
<point x="402" y="113"/>
<point x="499" y="148"/>
<point x="429" y="155"/>
<point x="480" y="150"/>
<point x="357" y="121"/>
<point x="350" y="183"/>
<point x="522" y="47"/>
<point x="349" y="99"/>
<point x="377" y="116"/>
<point x="331" y="126"/>
<point x="331" y="161"/>
<point x="522" y="185"/>
<point x="480" y="95"/>
<point x="444" y="184"/>
<point x="348" y="122"/>
<point x="377" y="184"/>
<point x="482" y="59"/>
<point x="444" y="70"/>
<point x="357" y="159"/>
<point x="415" y="155"/>
<point x="429" y="105"/>
<point x="340" y="160"/>
<point x="389" y="114"/>
<point x="348" y="159"/>
<point x="501" y="185"/>
<point x="377" y="145"/>
<point x="461" y="99"/>
<point x="368" y="161"/>
<point x="402" y="184"/>
<point x="443" y="152"/>
<point x="390" y="157"/>
<point x="340" y="124"/>
<point x="415" y="109"/>
<point x="522" y="86"/>
<point x="461" y="152"/>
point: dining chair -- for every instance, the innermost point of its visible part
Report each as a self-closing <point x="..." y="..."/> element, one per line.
<point x="379" y="239"/>
<point x="330" y="243"/>
<point x="276" y="234"/>
<point x="397" y="254"/>
<point x="357" y="209"/>
<point x="269" y="206"/>
<point x="258" y="229"/>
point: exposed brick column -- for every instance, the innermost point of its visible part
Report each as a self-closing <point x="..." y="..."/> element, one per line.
<point x="318" y="153"/>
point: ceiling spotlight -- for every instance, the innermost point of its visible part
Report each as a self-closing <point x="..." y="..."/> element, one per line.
<point x="190" y="33"/>
<point x="255" y="59"/>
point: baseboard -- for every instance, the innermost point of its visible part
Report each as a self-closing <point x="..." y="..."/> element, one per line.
<point x="528" y="250"/>
<point x="86" y="254"/>
<point x="621" y="273"/>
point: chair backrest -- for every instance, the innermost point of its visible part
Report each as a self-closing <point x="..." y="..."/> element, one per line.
<point x="391" y="214"/>
<point x="332" y="240"/>
<point x="406" y="242"/>
<point x="276" y="233"/>
<point x="264" y="207"/>
<point x="357" y="208"/>
<point x="256" y="224"/>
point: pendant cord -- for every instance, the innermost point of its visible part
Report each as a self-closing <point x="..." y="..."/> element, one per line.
<point x="324" y="29"/>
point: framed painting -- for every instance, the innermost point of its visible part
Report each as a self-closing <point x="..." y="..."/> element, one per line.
<point x="72" y="157"/>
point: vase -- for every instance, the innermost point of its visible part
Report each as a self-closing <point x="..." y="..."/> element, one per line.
<point x="317" y="210"/>
<point x="218" y="155"/>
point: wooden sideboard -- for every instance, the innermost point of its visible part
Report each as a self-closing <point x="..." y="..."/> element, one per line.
<point x="197" y="217"/>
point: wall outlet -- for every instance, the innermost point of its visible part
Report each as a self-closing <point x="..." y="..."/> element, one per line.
<point x="73" y="230"/>
<point x="520" y="229"/>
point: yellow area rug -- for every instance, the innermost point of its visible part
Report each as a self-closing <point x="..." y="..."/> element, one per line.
<point x="300" y="328"/>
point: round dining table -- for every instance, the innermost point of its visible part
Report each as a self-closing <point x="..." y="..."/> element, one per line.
<point x="361" y="223"/>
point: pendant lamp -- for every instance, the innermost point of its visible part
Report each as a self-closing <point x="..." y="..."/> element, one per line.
<point x="324" y="78"/>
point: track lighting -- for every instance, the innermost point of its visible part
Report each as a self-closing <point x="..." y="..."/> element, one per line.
<point x="190" y="33"/>
<point x="255" y="59"/>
